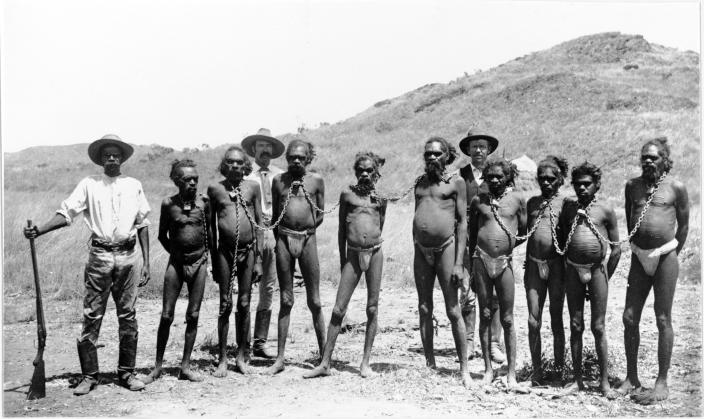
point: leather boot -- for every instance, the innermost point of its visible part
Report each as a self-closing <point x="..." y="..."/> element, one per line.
<point x="88" y="357"/>
<point x="261" y="332"/>
<point x="469" y="315"/>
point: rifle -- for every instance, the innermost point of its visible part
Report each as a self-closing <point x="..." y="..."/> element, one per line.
<point x="37" y="388"/>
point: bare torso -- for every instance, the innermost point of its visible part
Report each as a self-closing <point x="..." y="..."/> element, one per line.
<point x="585" y="246"/>
<point x="300" y="214"/>
<point x="363" y="219"/>
<point x="231" y="217"/>
<point x="660" y="222"/>
<point x="540" y="244"/>
<point x="434" y="218"/>
<point x="186" y="228"/>
<point x="491" y="238"/>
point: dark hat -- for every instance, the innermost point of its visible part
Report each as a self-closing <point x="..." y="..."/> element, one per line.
<point x="109" y="139"/>
<point x="277" y="147"/>
<point x="474" y="135"/>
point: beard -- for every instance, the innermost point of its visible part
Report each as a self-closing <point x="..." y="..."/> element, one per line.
<point x="434" y="170"/>
<point x="297" y="171"/>
<point x="111" y="169"/>
<point x="650" y="173"/>
<point x="188" y="194"/>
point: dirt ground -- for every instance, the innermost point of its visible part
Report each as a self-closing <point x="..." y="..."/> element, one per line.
<point x="404" y="386"/>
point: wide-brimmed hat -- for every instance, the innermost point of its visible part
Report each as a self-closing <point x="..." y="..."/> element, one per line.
<point x="277" y="147"/>
<point x="472" y="135"/>
<point x="109" y="139"/>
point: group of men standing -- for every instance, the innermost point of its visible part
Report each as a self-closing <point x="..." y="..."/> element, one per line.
<point x="259" y="220"/>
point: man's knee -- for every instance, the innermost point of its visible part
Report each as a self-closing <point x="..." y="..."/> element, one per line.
<point x="286" y="303"/>
<point x="454" y="314"/>
<point x="663" y="321"/>
<point x="314" y="304"/>
<point x="425" y="310"/>
<point x="507" y="321"/>
<point x="192" y="317"/>
<point x="225" y="309"/>
<point x="629" y="319"/>
<point x="167" y="318"/>
<point x="485" y="314"/>
<point x="534" y="323"/>
<point x="337" y="315"/>
<point x="577" y="326"/>
<point x="372" y="310"/>
<point x="598" y="329"/>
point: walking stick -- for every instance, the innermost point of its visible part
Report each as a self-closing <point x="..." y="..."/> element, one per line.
<point x="37" y="388"/>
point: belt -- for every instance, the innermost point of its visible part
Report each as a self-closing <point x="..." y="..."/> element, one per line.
<point x="114" y="247"/>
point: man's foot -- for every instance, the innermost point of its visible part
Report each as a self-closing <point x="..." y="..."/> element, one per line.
<point x="153" y="376"/>
<point x="497" y="355"/>
<point x="276" y="368"/>
<point x="88" y="383"/>
<point x="366" y="371"/>
<point x="574" y="387"/>
<point x="260" y="351"/>
<point x="241" y="364"/>
<point x="609" y="393"/>
<point x="130" y="381"/>
<point x="513" y="386"/>
<point x="467" y="381"/>
<point x="187" y="374"/>
<point x="319" y="371"/>
<point x="488" y="377"/>
<point x="221" y="371"/>
<point x="627" y="386"/>
<point x="659" y="393"/>
<point x="536" y="378"/>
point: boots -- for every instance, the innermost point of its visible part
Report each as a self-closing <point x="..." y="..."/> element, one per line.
<point x="88" y="357"/>
<point x="469" y="314"/>
<point x="261" y="332"/>
<point x="126" y="361"/>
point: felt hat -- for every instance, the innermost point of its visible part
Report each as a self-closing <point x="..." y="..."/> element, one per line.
<point x="472" y="135"/>
<point x="109" y="139"/>
<point x="277" y="147"/>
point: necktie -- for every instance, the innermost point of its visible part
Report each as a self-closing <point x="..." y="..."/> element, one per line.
<point x="266" y="187"/>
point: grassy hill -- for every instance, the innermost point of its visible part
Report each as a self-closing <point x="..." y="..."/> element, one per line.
<point x="595" y="98"/>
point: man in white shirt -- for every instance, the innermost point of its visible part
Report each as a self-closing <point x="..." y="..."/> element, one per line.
<point x="263" y="147"/>
<point x="478" y="147"/>
<point x="115" y="209"/>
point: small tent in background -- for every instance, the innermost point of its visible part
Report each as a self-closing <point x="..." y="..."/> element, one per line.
<point x="527" y="169"/>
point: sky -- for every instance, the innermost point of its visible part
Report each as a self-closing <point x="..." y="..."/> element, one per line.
<point x="184" y="73"/>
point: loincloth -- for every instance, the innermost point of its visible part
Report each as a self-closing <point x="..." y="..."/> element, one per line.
<point x="188" y="268"/>
<point x="364" y="255"/>
<point x="241" y="254"/>
<point x="429" y="253"/>
<point x="584" y="270"/>
<point x="494" y="266"/>
<point x="650" y="258"/>
<point x="296" y="240"/>
<point x="543" y="266"/>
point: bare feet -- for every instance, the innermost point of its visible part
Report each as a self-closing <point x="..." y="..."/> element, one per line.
<point x="467" y="381"/>
<point x="221" y="372"/>
<point x="187" y="374"/>
<point x="488" y="377"/>
<point x="574" y="386"/>
<point x="536" y="378"/>
<point x="242" y="366"/>
<point x="153" y="376"/>
<point x="609" y="393"/>
<point x="659" y="393"/>
<point x="276" y="368"/>
<point x="319" y="371"/>
<point x="366" y="371"/>
<point x="628" y="386"/>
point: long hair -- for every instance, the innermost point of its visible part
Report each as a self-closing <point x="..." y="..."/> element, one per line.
<point x="587" y="169"/>
<point x="447" y="147"/>
<point x="558" y="163"/>
<point x="376" y="160"/>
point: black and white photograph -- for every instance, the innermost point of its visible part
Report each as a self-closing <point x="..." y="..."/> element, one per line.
<point x="351" y="208"/>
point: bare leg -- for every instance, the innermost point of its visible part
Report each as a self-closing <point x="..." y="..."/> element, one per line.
<point x="484" y="287"/>
<point x="284" y="269"/>
<point x="505" y="290"/>
<point x="639" y="285"/>
<point x="172" y="288"/>
<point x="310" y="269"/>
<point x="348" y="282"/>
<point x="242" y="316"/>
<point x="224" y="315"/>
<point x="556" y="290"/>
<point x="195" y="296"/>
<point x="575" y="292"/>
<point x="424" y="275"/>
<point x="452" y="307"/>
<point x="536" y="290"/>
<point x="373" y="278"/>
<point x="665" y="281"/>
<point x="599" y="291"/>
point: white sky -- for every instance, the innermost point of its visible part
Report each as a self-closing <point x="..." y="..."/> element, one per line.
<point x="185" y="72"/>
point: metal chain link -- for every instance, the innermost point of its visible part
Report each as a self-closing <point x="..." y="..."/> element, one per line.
<point x="233" y="273"/>
<point x="584" y="213"/>
<point x="312" y="204"/>
<point x="646" y="207"/>
<point x="405" y="193"/>
<point x="495" y="212"/>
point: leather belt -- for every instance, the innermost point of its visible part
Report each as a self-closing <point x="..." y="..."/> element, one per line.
<point x="115" y="247"/>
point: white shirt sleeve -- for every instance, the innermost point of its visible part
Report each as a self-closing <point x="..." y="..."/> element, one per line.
<point x="76" y="202"/>
<point x="143" y="208"/>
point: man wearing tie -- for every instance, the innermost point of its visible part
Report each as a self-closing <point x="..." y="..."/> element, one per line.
<point x="263" y="147"/>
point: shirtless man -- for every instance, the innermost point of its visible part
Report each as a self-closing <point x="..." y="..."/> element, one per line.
<point x="491" y="245"/>
<point x="584" y="261"/>
<point x="233" y="247"/>
<point x="544" y="266"/>
<point x="295" y="240"/>
<point x="183" y="231"/>
<point x="440" y="234"/>
<point x="362" y="215"/>
<point x="653" y="262"/>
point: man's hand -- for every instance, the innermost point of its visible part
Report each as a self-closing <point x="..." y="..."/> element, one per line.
<point x="144" y="276"/>
<point x="31" y="232"/>
<point x="459" y="277"/>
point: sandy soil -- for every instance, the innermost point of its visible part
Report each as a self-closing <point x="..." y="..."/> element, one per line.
<point x="404" y="386"/>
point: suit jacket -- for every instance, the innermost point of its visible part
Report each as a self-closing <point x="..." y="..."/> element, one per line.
<point x="473" y="189"/>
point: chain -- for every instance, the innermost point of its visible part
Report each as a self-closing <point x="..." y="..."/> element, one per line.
<point x="584" y="213"/>
<point x="495" y="212"/>
<point x="205" y="232"/>
<point x="315" y="207"/>
<point x="233" y="274"/>
<point x="645" y="208"/>
<point x="405" y="193"/>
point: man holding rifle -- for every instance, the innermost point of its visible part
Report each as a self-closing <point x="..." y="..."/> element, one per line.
<point x="115" y="209"/>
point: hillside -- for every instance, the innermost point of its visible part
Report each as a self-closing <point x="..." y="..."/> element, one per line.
<point x="595" y="97"/>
